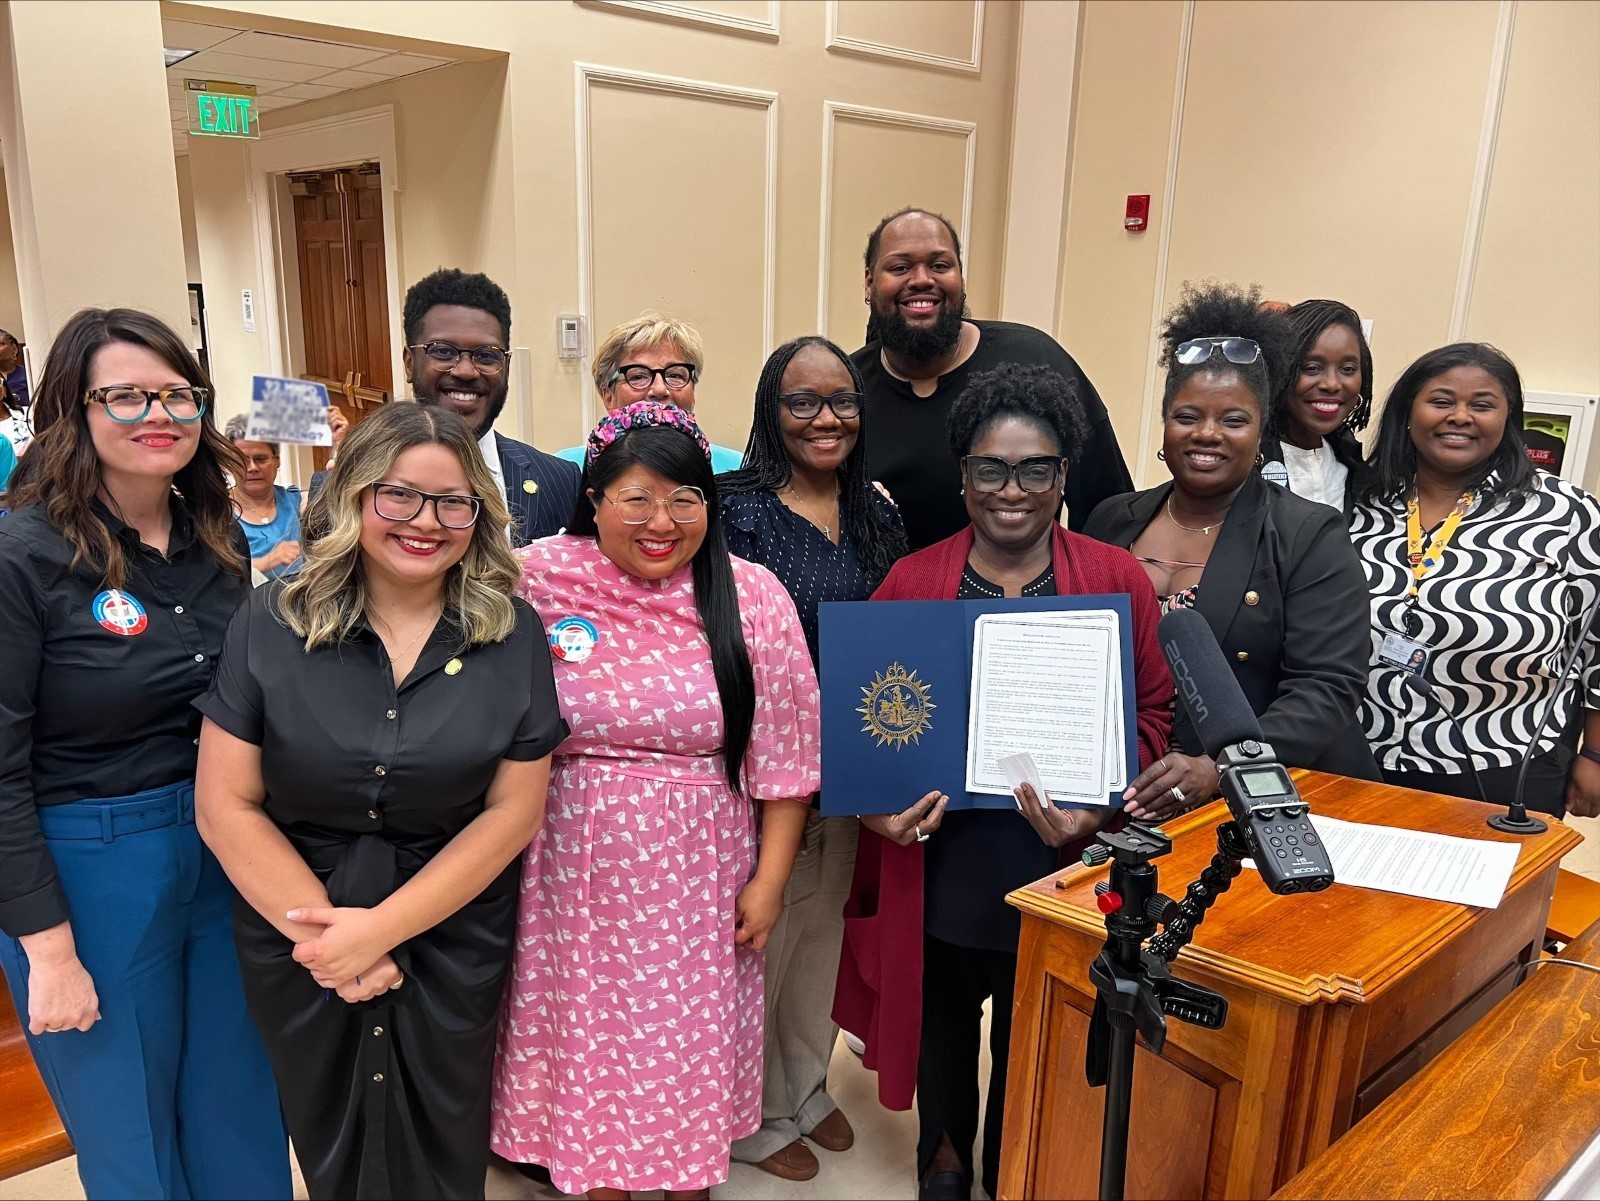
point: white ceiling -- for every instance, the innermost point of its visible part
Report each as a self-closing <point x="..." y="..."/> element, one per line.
<point x="285" y="70"/>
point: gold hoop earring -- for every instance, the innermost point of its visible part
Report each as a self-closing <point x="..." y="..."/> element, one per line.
<point x="1162" y="455"/>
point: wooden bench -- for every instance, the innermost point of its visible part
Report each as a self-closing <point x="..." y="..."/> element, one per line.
<point x="1574" y="908"/>
<point x="31" y="1134"/>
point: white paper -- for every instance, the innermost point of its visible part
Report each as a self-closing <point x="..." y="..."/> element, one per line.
<point x="1416" y="863"/>
<point x="1048" y="685"/>
<point x="1020" y="769"/>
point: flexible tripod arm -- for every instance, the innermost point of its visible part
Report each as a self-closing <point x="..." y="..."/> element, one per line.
<point x="1181" y="918"/>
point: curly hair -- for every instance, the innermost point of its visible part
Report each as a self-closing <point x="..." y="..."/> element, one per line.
<point x="1035" y="394"/>
<point x="1394" y="454"/>
<point x="1218" y="310"/>
<point x="875" y="239"/>
<point x="451" y="285"/>
<point x="61" y="470"/>
<point x="1308" y="320"/>
<point x="326" y="600"/>
<point x="767" y="468"/>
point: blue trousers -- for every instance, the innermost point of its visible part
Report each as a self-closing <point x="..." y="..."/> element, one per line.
<point x="169" y="1095"/>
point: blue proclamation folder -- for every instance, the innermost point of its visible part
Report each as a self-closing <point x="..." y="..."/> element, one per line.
<point x="910" y="664"/>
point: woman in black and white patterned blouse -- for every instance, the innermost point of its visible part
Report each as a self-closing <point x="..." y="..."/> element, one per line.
<point x="1481" y="569"/>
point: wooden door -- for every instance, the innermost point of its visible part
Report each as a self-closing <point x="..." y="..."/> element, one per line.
<point x="344" y="287"/>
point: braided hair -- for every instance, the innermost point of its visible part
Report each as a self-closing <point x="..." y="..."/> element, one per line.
<point x="767" y="467"/>
<point x="875" y="238"/>
<point x="1308" y="320"/>
<point x="1217" y="310"/>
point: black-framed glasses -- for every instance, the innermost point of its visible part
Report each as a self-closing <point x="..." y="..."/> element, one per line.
<point x="676" y="376"/>
<point x="394" y="502"/>
<point x="491" y="360"/>
<point x="1035" y="474"/>
<point x="128" y="405"/>
<point x="635" y="506"/>
<point x="1239" y="351"/>
<point x="807" y="406"/>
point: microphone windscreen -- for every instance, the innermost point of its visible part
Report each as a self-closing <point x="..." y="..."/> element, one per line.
<point x="1205" y="683"/>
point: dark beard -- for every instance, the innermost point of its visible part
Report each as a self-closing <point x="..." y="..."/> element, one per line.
<point x="902" y="340"/>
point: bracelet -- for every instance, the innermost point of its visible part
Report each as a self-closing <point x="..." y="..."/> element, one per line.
<point x="1593" y="756"/>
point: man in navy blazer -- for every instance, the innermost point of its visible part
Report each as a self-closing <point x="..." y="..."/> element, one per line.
<point x="457" y="356"/>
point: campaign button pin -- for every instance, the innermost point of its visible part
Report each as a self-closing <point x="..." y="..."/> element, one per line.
<point x="573" y="639"/>
<point x="120" y="613"/>
<point x="530" y="487"/>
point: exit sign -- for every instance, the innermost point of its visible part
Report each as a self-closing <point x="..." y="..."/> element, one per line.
<point x="222" y="110"/>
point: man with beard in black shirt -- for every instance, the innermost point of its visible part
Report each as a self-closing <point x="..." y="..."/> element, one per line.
<point x="922" y="350"/>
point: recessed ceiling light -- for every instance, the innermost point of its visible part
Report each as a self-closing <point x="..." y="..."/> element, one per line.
<point x="174" y="57"/>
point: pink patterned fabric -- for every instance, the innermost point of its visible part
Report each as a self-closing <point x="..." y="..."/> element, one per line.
<point x="630" y="1043"/>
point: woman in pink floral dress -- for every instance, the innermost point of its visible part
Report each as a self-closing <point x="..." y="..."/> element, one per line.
<point x="630" y="1046"/>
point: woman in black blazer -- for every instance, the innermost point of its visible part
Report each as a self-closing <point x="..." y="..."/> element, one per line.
<point x="1273" y="574"/>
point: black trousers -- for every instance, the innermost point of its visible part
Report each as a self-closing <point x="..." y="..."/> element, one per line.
<point x="955" y="983"/>
<point x="1545" y="790"/>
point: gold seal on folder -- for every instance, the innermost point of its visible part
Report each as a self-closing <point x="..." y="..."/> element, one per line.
<point x="895" y="707"/>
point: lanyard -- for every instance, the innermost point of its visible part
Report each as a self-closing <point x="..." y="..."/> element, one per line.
<point x="1424" y="562"/>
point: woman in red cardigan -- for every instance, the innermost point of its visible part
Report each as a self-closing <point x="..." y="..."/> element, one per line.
<point x="928" y="934"/>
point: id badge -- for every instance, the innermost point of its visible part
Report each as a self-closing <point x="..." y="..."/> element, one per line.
<point x="1407" y="654"/>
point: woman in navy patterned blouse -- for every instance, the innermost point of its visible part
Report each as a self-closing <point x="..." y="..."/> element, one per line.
<point x="803" y="507"/>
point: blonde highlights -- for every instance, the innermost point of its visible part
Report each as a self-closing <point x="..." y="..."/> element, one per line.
<point x="327" y="599"/>
<point x="646" y="331"/>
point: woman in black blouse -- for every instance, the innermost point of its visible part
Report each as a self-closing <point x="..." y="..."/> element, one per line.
<point x="803" y="507"/>
<point x="374" y="759"/>
<point x="118" y="573"/>
<point x="1273" y="573"/>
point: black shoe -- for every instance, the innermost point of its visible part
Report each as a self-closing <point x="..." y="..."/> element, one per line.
<point x="945" y="1186"/>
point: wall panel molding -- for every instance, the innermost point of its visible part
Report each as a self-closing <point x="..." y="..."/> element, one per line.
<point x="1483" y="171"/>
<point x="834" y="111"/>
<point x="587" y="76"/>
<point x="844" y="44"/>
<point x="1148" y="423"/>
<point x="689" y="14"/>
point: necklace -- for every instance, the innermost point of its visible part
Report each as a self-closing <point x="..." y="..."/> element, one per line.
<point x="825" y="527"/>
<point x="1204" y="529"/>
<point x="415" y="638"/>
<point x="257" y="514"/>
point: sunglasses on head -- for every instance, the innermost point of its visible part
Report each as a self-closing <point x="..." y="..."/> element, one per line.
<point x="1238" y="351"/>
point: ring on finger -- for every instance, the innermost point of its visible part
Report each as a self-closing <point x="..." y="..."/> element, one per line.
<point x="921" y="837"/>
<point x="1177" y="794"/>
<point x="397" y="983"/>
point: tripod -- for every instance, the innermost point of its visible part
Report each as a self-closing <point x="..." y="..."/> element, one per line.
<point x="1134" y="990"/>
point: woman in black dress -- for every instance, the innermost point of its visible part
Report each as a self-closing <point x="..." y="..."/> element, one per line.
<point x="374" y="759"/>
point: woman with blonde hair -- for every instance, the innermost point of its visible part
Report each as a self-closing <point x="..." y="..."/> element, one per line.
<point x="374" y="758"/>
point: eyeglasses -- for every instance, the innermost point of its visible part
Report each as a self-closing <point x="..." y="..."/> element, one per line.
<point x="395" y="503"/>
<point x="128" y="405"/>
<point x="676" y="376"/>
<point x="635" y="506"/>
<point x="491" y="360"/>
<point x="1239" y="351"/>
<point x="807" y="406"/>
<point x="1036" y="474"/>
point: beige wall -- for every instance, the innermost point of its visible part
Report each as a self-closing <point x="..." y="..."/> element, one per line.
<point x="92" y="196"/>
<point x="731" y="237"/>
<point x="191" y="240"/>
<point x="1333" y="149"/>
<point x="10" y="298"/>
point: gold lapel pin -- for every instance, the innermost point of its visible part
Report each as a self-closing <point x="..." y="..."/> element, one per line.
<point x="531" y="488"/>
<point x="453" y="668"/>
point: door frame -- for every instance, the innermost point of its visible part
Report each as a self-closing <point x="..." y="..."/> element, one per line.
<point x="367" y="135"/>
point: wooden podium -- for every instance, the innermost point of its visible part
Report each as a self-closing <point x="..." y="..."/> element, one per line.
<point x="1335" y="1000"/>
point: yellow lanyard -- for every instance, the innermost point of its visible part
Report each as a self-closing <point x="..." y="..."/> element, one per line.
<point x="1422" y="562"/>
